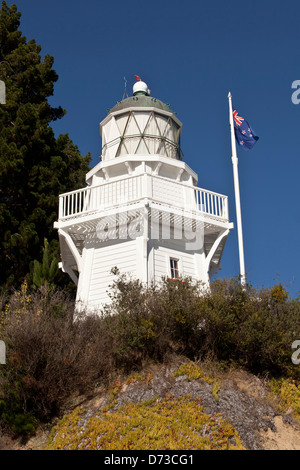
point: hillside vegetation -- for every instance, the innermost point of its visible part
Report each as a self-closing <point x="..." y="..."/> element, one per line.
<point x="54" y="356"/>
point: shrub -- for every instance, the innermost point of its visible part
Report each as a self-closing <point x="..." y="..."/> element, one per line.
<point x="152" y="322"/>
<point x="288" y="393"/>
<point x="235" y="324"/>
<point x="279" y="294"/>
<point x="50" y="356"/>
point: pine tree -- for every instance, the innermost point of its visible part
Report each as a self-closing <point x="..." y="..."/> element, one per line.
<point x="46" y="271"/>
<point x="35" y="167"/>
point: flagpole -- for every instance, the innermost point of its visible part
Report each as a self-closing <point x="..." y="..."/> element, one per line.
<point x="237" y="195"/>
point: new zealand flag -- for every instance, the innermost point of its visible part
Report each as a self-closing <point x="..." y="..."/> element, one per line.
<point x="244" y="135"/>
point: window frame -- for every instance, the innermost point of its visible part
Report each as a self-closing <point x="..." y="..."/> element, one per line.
<point x="174" y="269"/>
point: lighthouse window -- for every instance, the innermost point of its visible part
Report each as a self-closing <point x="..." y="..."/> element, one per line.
<point x="174" y="268"/>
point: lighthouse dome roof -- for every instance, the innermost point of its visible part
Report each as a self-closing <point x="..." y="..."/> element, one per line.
<point x="140" y="101"/>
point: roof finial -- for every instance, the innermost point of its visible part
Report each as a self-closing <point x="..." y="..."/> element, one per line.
<point x="140" y="87"/>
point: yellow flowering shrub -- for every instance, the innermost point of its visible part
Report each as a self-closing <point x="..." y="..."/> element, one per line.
<point x="168" y="424"/>
<point x="288" y="393"/>
<point x="194" y="372"/>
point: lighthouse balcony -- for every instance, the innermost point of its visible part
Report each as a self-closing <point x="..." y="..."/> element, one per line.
<point x="93" y="201"/>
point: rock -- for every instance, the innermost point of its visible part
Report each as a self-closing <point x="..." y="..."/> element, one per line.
<point x="242" y="400"/>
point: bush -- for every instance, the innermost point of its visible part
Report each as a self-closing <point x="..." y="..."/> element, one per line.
<point x="235" y="324"/>
<point x="250" y="328"/>
<point x="50" y="355"/>
<point x="288" y="395"/>
<point x="153" y="322"/>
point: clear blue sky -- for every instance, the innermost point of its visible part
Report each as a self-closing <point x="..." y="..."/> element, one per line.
<point x="191" y="54"/>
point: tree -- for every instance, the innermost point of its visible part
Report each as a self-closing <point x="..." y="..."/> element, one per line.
<point x="45" y="272"/>
<point x="35" y="167"/>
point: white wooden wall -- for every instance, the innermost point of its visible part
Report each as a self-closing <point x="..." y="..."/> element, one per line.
<point x="172" y="249"/>
<point x="100" y="260"/>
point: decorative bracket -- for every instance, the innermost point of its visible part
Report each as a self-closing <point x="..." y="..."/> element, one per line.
<point x="72" y="247"/>
<point x="214" y="247"/>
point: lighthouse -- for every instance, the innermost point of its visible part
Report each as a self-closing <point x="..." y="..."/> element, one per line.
<point x="142" y="209"/>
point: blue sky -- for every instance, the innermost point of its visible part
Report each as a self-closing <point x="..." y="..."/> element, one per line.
<point x="191" y="54"/>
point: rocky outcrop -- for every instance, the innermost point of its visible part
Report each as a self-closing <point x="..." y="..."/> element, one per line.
<point x="242" y="400"/>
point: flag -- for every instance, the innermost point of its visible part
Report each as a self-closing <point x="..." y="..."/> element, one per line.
<point x="138" y="78"/>
<point x="244" y="134"/>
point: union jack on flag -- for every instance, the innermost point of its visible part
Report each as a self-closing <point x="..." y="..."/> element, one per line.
<point x="244" y="134"/>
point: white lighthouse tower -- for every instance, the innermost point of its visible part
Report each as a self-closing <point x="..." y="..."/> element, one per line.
<point x="142" y="210"/>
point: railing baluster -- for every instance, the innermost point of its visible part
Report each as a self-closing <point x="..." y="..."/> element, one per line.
<point x="225" y="209"/>
<point x="84" y="200"/>
<point x="208" y="203"/>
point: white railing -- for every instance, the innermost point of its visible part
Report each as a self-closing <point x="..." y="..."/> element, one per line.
<point x="89" y="199"/>
<point x="211" y="203"/>
<point x="132" y="189"/>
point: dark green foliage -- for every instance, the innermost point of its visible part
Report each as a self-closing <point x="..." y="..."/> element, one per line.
<point x="14" y="417"/>
<point x="35" y="167"/>
<point x="248" y="328"/>
<point x="46" y="271"/>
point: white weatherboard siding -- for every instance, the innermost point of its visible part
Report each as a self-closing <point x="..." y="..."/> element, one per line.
<point x="105" y="257"/>
<point x="172" y="249"/>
